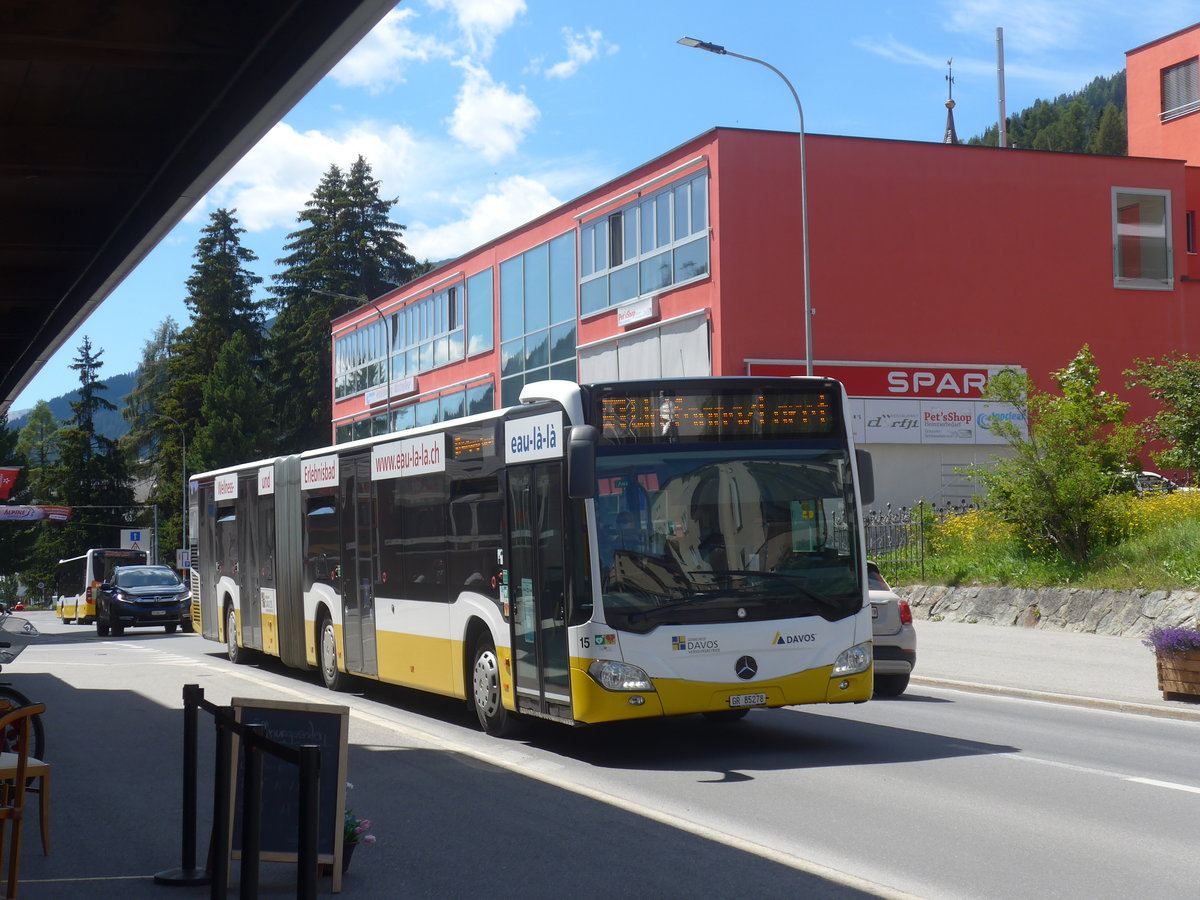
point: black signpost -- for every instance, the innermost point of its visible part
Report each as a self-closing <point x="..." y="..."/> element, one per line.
<point x="294" y="725"/>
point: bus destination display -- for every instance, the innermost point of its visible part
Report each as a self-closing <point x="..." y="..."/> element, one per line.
<point x="657" y="417"/>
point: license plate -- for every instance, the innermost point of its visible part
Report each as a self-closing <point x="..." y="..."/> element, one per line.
<point x="739" y="700"/>
<point x="158" y="612"/>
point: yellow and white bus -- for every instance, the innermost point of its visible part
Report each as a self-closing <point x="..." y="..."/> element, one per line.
<point x="77" y="581"/>
<point x="597" y="553"/>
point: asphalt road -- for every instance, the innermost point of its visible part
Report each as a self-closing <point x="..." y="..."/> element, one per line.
<point x="941" y="794"/>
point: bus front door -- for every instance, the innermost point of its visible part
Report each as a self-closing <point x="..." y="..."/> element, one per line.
<point x="357" y="565"/>
<point x="537" y="586"/>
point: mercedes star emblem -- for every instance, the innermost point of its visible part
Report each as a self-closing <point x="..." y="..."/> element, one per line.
<point x="746" y="668"/>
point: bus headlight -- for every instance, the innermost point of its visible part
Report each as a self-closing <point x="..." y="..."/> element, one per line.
<point x="856" y="659"/>
<point x="619" y="676"/>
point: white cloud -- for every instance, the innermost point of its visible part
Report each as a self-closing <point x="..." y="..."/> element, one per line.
<point x="581" y="49"/>
<point x="482" y="20"/>
<point x="1032" y="25"/>
<point x="513" y="202"/>
<point x="489" y="117"/>
<point x="273" y="181"/>
<point x="379" y="59"/>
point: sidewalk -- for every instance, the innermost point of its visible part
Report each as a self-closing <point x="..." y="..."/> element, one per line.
<point x="1065" y="667"/>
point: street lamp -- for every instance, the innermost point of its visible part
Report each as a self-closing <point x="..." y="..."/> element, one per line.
<point x="183" y="462"/>
<point x="721" y="51"/>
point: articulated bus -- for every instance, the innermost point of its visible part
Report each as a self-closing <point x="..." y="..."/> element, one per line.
<point x="77" y="581"/>
<point x="597" y="553"/>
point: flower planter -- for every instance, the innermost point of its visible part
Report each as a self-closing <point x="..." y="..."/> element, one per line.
<point x="1179" y="675"/>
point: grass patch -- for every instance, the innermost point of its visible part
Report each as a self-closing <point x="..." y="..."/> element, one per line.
<point x="1150" y="543"/>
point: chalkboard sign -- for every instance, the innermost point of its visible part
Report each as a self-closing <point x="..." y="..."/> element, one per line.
<point x="294" y="725"/>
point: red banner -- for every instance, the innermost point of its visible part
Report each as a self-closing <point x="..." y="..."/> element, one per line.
<point x="34" y="513"/>
<point x="8" y="480"/>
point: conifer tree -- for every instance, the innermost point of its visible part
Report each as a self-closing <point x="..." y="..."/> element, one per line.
<point x="1111" y="138"/>
<point x="38" y="445"/>
<point x="235" y="413"/>
<point x="220" y="297"/>
<point x="346" y="252"/>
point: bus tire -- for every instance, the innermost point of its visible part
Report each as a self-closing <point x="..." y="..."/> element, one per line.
<point x="335" y="679"/>
<point x="237" y="654"/>
<point x="485" y="691"/>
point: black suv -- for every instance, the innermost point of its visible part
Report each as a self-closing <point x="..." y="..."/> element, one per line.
<point x="141" y="595"/>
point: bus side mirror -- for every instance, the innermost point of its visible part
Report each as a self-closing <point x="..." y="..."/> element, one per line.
<point x="581" y="462"/>
<point x="866" y="477"/>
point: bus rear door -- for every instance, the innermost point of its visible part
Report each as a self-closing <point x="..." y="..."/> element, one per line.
<point x="357" y="565"/>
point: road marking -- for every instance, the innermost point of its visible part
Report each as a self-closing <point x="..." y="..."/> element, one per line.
<point x="1120" y="776"/>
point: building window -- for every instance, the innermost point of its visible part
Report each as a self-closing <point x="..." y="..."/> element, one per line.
<point x="1181" y="89"/>
<point x="480" y="330"/>
<point x="1189" y="225"/>
<point x="537" y="315"/>
<point x="656" y="242"/>
<point x="1142" y="239"/>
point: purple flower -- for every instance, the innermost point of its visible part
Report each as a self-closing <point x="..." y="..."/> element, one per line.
<point x="368" y="838"/>
<point x="1172" y="641"/>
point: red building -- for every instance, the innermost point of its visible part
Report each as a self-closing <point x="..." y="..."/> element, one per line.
<point x="932" y="266"/>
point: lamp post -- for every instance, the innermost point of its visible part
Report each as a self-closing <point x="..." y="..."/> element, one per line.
<point x="721" y="51"/>
<point x="183" y="464"/>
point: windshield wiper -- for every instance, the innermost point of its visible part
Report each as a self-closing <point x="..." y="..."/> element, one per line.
<point x="711" y="603"/>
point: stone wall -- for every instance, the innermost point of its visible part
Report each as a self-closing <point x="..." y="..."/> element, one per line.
<point x="1123" y="613"/>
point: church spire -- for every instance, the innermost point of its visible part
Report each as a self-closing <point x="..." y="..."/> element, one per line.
<point x="951" y="137"/>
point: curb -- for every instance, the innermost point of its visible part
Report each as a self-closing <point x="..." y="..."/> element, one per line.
<point x="1141" y="709"/>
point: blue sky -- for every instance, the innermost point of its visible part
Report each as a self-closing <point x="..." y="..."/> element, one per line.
<point x="479" y="115"/>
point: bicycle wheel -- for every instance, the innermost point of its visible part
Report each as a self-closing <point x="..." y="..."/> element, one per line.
<point x="37" y="729"/>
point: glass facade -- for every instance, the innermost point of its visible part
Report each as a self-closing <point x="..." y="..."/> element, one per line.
<point x="425" y="334"/>
<point x="455" y="404"/>
<point x="537" y="316"/>
<point x="655" y="242"/>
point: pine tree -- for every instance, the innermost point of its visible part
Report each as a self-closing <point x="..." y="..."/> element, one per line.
<point x="235" y="415"/>
<point x="90" y="473"/>
<point x="37" y="443"/>
<point x="1110" y="138"/>
<point x="221" y="301"/>
<point x="347" y="252"/>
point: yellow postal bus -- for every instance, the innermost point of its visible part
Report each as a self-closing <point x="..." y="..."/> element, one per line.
<point x="77" y="581"/>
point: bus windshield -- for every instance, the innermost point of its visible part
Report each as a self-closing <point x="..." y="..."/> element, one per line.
<point x="728" y="533"/>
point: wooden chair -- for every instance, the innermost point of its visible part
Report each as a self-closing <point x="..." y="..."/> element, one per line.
<point x="16" y="775"/>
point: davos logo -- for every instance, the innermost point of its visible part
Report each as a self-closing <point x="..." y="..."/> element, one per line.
<point x="785" y="639"/>
<point x="683" y="644"/>
<point x="534" y="438"/>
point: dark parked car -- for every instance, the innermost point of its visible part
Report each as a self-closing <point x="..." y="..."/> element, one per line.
<point x="142" y="595"/>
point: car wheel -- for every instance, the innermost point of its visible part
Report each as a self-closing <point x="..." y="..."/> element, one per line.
<point x="170" y="629"/>
<point x="335" y="679"/>
<point x="891" y="685"/>
<point x="485" y="682"/>
<point x="101" y="627"/>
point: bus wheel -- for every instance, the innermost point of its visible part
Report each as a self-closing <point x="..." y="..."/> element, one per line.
<point x="237" y="655"/>
<point x="335" y="679"/>
<point x="485" y="680"/>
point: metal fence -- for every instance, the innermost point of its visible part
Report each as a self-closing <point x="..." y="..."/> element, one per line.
<point x="899" y="537"/>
